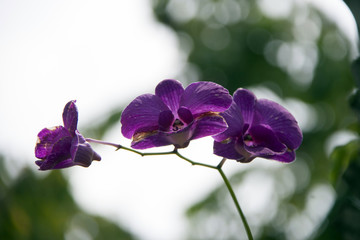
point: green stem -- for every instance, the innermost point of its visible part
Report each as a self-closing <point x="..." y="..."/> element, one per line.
<point x="193" y="162"/>
<point x="103" y="142"/>
<point x="233" y="196"/>
<point x="144" y="154"/>
<point x="176" y="152"/>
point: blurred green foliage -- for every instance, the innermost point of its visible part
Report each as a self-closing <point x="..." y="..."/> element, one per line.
<point x="33" y="207"/>
<point x="100" y="128"/>
<point x="341" y="157"/>
<point x="343" y="221"/>
<point x="298" y="54"/>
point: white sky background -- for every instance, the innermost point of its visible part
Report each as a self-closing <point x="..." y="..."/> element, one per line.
<point x="102" y="53"/>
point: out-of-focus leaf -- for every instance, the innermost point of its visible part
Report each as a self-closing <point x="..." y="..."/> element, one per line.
<point x="43" y="208"/>
<point x="355" y="67"/>
<point x="99" y="129"/>
<point x="343" y="221"/>
<point x="341" y="157"/>
<point x="355" y="102"/>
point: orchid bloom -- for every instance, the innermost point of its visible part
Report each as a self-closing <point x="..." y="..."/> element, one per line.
<point x="64" y="146"/>
<point x="174" y="115"/>
<point x="257" y="128"/>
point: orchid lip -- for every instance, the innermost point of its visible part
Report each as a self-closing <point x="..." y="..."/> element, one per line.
<point x="177" y="125"/>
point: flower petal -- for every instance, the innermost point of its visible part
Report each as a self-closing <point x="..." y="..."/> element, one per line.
<point x="280" y="121"/>
<point x="226" y="149"/>
<point x="245" y="100"/>
<point x="208" y="125"/>
<point x="185" y="115"/>
<point x="60" y="152"/>
<point x="264" y="143"/>
<point x="234" y="121"/>
<point x="64" y="164"/>
<point x="166" y="119"/>
<point x="180" y="139"/>
<point x="261" y="151"/>
<point x="149" y="140"/>
<point x="50" y="164"/>
<point x="201" y="97"/>
<point x="286" y="157"/>
<point x="70" y="117"/>
<point x="81" y="152"/>
<point x="47" y="138"/>
<point x="261" y="136"/>
<point x="170" y="91"/>
<point x="142" y="114"/>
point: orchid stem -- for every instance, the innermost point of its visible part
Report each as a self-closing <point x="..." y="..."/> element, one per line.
<point x="145" y="154"/>
<point x="103" y="142"/>
<point x="192" y="162"/>
<point x="234" y="198"/>
<point x="176" y="152"/>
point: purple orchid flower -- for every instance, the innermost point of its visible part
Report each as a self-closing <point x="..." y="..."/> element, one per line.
<point x="257" y="128"/>
<point x="175" y="115"/>
<point x="64" y="146"/>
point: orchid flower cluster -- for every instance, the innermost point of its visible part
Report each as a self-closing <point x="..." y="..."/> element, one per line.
<point x="243" y="128"/>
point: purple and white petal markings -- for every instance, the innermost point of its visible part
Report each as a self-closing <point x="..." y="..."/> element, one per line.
<point x="174" y="115"/>
<point x="63" y="146"/>
<point x="257" y="128"/>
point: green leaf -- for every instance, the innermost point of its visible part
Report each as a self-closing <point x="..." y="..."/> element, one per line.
<point x="343" y="220"/>
<point x="341" y="157"/>
<point x="355" y="67"/>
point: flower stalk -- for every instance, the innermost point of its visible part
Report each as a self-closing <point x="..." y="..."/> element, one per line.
<point x="103" y="142"/>
<point x="194" y="163"/>
<point x="236" y="202"/>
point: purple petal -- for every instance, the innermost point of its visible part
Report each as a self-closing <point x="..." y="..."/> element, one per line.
<point x="201" y="97"/>
<point x="149" y="140"/>
<point x="234" y="121"/>
<point x="226" y="149"/>
<point x="60" y="152"/>
<point x="81" y="152"/>
<point x="208" y="125"/>
<point x="286" y="157"/>
<point x="262" y="137"/>
<point x="142" y="113"/>
<point x="70" y="117"/>
<point x="245" y="100"/>
<point x="261" y="151"/>
<point x="49" y="165"/>
<point x="280" y="121"/>
<point x="170" y="91"/>
<point x="64" y="164"/>
<point x="166" y="119"/>
<point x="185" y="115"/>
<point x="47" y="138"/>
<point x="263" y="143"/>
<point x="180" y="139"/>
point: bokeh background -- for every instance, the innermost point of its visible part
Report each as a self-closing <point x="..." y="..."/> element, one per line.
<point x="301" y="54"/>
